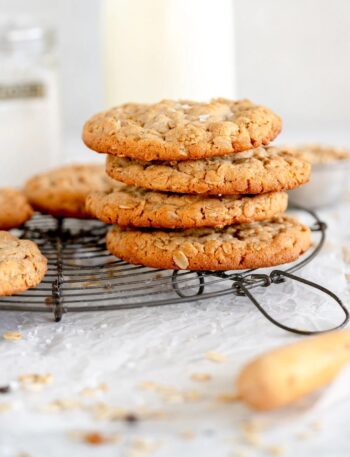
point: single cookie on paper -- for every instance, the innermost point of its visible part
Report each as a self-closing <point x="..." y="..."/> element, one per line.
<point x="133" y="206"/>
<point x="14" y="209"/>
<point x="62" y="191"/>
<point x="181" y="130"/>
<point x="22" y="265"/>
<point x="236" y="247"/>
<point x="256" y="171"/>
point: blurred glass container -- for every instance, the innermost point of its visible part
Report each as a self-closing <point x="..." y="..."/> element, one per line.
<point x="29" y="112"/>
<point x="168" y="49"/>
<point x="327" y="186"/>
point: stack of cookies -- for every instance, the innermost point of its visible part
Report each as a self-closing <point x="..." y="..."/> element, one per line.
<point x="196" y="186"/>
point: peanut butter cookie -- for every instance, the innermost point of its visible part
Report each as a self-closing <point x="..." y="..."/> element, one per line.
<point x="62" y="191"/>
<point x="133" y="206"/>
<point x="22" y="265"/>
<point x="14" y="209"/>
<point x="260" y="244"/>
<point x="181" y="130"/>
<point x="256" y="171"/>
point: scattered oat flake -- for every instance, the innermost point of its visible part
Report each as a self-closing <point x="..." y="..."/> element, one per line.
<point x="346" y="254"/>
<point x="275" y="450"/>
<point x="201" y="377"/>
<point x="12" y="336"/>
<point x="141" y="447"/>
<point x="148" y="385"/>
<point x="61" y="405"/>
<point x="4" y="407"/>
<point x="228" y="397"/>
<point x="91" y="391"/>
<point x="215" y="356"/>
<point x="35" y="378"/>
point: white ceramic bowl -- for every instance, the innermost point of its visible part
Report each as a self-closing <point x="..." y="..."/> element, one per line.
<point x="327" y="186"/>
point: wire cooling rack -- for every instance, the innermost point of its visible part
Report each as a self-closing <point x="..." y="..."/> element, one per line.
<point x="83" y="276"/>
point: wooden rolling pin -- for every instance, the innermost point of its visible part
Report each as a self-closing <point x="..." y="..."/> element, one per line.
<point x="280" y="377"/>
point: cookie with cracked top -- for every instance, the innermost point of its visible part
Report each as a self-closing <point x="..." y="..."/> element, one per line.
<point x="259" y="170"/>
<point x="260" y="244"/>
<point x="181" y="130"/>
<point x="137" y="207"/>
<point x="22" y="265"/>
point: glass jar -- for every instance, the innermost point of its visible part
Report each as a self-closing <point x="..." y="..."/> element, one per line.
<point x="29" y="112"/>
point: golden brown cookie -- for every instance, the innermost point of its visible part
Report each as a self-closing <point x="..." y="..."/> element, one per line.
<point x="14" y="209"/>
<point x="62" y="191"/>
<point x="320" y="154"/>
<point x="22" y="265"/>
<point x="260" y="244"/>
<point x="252" y="172"/>
<point x="133" y="206"/>
<point x="181" y="130"/>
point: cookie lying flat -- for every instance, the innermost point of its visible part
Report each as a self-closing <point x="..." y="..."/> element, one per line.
<point x="181" y="130"/>
<point x="22" y="265"/>
<point x="320" y="154"/>
<point x="62" y="191"/>
<point x="252" y="172"/>
<point x="133" y="206"/>
<point x="14" y="209"/>
<point x="260" y="244"/>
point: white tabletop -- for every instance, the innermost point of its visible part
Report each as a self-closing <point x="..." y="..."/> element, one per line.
<point x="108" y="364"/>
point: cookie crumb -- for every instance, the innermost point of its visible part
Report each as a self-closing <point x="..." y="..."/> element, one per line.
<point x="346" y="253"/>
<point x="35" y="381"/>
<point x="12" y="336"/>
<point x="95" y="438"/>
<point x="228" y="397"/>
<point x="275" y="450"/>
<point x="201" y="377"/>
<point x="215" y="357"/>
<point x="61" y="405"/>
<point x="142" y="447"/>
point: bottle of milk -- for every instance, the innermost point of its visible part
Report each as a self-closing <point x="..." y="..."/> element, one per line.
<point x="29" y="114"/>
<point x="168" y="49"/>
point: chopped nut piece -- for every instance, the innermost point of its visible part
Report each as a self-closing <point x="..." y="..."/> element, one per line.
<point x="13" y="336"/>
<point x="180" y="260"/>
<point x="201" y="377"/>
<point x="95" y="438"/>
<point x="215" y="356"/>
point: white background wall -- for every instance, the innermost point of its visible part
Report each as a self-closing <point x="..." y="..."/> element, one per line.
<point x="292" y="55"/>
